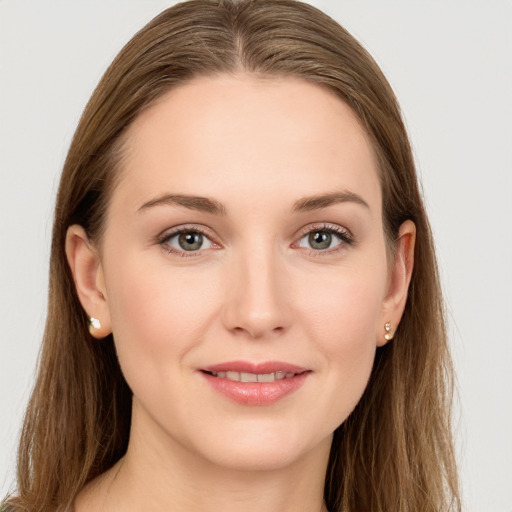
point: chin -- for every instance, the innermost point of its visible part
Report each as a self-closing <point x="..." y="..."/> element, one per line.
<point x="256" y="460"/>
<point x="263" y="452"/>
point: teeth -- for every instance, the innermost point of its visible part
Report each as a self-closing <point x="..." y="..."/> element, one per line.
<point x="267" y="377"/>
<point x="253" y="377"/>
<point x="248" y="377"/>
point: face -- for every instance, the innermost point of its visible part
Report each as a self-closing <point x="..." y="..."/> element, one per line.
<point x="245" y="242"/>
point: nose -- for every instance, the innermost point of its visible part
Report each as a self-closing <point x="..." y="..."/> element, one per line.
<point x="256" y="301"/>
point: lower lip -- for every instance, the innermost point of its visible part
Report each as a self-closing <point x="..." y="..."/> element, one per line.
<point x="256" y="393"/>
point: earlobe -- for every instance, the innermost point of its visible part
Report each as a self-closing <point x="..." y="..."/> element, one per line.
<point x="87" y="271"/>
<point x="400" y="278"/>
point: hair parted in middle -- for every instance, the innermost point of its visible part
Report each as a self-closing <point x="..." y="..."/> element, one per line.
<point x="394" y="452"/>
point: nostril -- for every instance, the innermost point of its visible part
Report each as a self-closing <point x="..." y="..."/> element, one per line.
<point x="258" y="331"/>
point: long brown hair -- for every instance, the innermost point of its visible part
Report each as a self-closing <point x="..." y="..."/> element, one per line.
<point x="394" y="452"/>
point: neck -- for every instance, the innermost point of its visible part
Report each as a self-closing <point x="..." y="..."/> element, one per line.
<point x="158" y="473"/>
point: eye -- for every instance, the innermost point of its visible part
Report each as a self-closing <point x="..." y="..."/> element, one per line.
<point x="325" y="238"/>
<point x="186" y="240"/>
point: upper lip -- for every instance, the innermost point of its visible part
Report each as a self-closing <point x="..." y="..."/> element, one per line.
<point x="256" y="368"/>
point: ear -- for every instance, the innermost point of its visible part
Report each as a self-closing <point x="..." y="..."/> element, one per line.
<point x="85" y="265"/>
<point x="398" y="285"/>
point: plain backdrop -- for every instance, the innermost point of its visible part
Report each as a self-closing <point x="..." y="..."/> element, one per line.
<point x="450" y="65"/>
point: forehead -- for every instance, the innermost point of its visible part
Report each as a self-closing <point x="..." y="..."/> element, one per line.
<point x="216" y="135"/>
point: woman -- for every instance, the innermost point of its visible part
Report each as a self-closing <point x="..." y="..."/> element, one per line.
<point x="244" y="303"/>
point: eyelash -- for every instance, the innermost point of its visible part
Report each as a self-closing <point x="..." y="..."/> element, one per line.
<point x="164" y="240"/>
<point x="345" y="237"/>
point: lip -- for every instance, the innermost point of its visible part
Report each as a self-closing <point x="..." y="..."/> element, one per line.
<point x="255" y="393"/>
<point x="250" y="367"/>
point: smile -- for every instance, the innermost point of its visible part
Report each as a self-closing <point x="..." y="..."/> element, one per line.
<point x="255" y="384"/>
<point x="253" y="377"/>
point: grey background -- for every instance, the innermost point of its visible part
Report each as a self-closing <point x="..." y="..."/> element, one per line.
<point x="450" y="65"/>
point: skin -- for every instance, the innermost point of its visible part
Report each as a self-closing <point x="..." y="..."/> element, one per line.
<point x="257" y="290"/>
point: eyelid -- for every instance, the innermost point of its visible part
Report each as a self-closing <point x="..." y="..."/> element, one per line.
<point x="325" y="226"/>
<point x="168" y="234"/>
<point x="344" y="234"/>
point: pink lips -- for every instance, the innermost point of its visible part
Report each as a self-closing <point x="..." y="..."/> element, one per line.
<point x="287" y="378"/>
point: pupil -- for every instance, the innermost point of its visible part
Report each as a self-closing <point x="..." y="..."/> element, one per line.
<point x="320" y="240"/>
<point x="190" y="241"/>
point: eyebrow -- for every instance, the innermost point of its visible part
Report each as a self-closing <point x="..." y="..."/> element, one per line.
<point x="209" y="205"/>
<point x="324" y="200"/>
<point x="202" y="204"/>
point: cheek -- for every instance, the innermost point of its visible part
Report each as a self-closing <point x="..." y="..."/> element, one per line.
<point x="155" y="314"/>
<point x="342" y="318"/>
<point x="343" y="312"/>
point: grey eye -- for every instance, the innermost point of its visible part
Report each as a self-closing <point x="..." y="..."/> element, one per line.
<point x="189" y="241"/>
<point x="320" y="240"/>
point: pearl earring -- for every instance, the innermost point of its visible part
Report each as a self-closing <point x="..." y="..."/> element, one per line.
<point x="94" y="324"/>
<point x="389" y="335"/>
